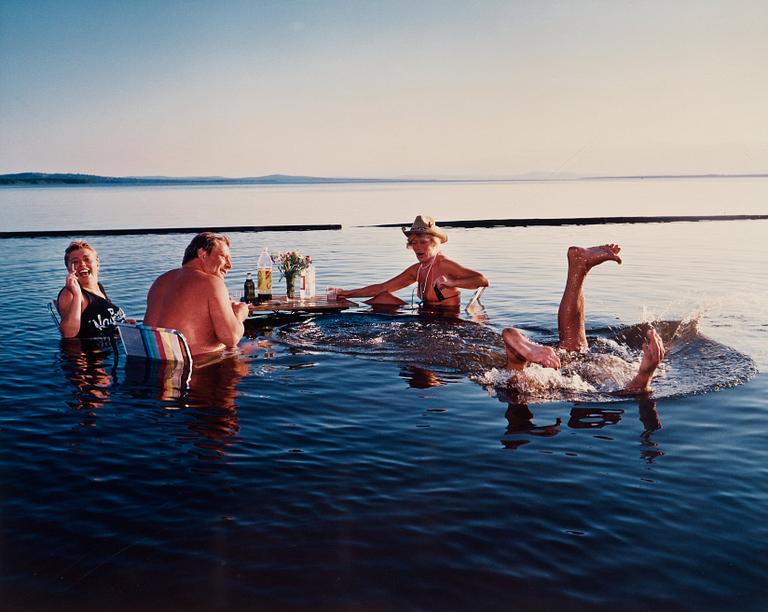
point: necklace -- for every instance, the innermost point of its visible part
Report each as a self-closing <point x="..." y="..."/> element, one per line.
<point x="423" y="288"/>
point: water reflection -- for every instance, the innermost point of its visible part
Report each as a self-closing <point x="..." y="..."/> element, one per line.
<point x="213" y="394"/>
<point x="215" y="384"/>
<point x="593" y="417"/>
<point x="91" y="367"/>
<point x="649" y="417"/>
<point x="167" y="381"/>
<point x="520" y="420"/>
<point x="420" y="378"/>
<point x="207" y="395"/>
<point x="521" y="425"/>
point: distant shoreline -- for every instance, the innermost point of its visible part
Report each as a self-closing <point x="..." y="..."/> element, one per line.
<point x="36" y="179"/>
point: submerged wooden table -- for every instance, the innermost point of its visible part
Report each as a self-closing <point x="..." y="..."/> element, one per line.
<point x="281" y="304"/>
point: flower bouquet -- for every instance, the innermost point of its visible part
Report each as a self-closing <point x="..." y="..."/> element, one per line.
<point x="290" y="263"/>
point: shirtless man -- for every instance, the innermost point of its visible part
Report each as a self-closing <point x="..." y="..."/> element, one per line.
<point x="438" y="278"/>
<point x="570" y="323"/>
<point x="194" y="299"/>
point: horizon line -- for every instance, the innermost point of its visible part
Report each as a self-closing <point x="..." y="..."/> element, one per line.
<point x="80" y="179"/>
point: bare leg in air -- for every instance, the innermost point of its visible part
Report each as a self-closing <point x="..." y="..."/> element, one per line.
<point x="570" y="315"/>
<point x="570" y="322"/>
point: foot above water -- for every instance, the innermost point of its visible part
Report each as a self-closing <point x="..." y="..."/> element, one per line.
<point x="522" y="350"/>
<point x="653" y="353"/>
<point x="591" y="256"/>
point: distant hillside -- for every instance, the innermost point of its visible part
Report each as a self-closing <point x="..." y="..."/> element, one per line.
<point x="41" y="178"/>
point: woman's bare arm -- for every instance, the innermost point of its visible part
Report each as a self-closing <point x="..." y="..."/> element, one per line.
<point x="402" y="280"/>
<point x="456" y="275"/>
<point x="70" y="307"/>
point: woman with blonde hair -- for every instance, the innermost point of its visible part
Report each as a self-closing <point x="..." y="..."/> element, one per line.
<point x="438" y="279"/>
<point x="85" y="309"/>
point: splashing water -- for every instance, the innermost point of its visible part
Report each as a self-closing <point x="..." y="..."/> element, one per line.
<point x="693" y="364"/>
<point x="723" y="318"/>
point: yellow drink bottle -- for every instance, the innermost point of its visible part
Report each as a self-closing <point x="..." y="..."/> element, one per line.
<point x="264" y="271"/>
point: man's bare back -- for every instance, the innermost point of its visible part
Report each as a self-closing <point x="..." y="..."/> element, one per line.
<point x="194" y="300"/>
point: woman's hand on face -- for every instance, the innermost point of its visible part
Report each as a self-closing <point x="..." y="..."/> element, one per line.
<point x="73" y="286"/>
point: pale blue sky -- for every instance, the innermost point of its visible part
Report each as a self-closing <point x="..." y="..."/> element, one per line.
<point x="366" y="88"/>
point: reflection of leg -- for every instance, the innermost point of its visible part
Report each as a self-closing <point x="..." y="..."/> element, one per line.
<point x="649" y="416"/>
<point x="521" y="350"/>
<point x="585" y="417"/>
<point x="570" y="316"/>
<point x="518" y="418"/>
<point x="653" y="353"/>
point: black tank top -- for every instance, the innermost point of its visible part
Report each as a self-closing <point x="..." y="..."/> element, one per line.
<point x="99" y="317"/>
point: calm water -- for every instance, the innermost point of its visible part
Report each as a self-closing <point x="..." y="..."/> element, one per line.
<point x="332" y="476"/>
<point x="131" y="207"/>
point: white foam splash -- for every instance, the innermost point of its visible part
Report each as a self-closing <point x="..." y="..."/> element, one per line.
<point x="535" y="381"/>
<point x="608" y="345"/>
<point x="606" y="373"/>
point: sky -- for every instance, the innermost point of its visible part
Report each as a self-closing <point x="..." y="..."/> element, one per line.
<point x="383" y="88"/>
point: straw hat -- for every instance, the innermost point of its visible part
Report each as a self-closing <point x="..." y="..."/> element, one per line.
<point x="425" y="225"/>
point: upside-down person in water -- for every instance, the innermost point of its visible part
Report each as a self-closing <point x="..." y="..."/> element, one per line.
<point x="438" y="279"/>
<point x="570" y="323"/>
<point x="85" y="309"/>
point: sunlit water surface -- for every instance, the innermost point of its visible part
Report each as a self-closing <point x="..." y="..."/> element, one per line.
<point x="373" y="461"/>
<point x="364" y="204"/>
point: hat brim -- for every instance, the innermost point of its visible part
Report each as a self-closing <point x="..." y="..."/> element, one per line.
<point x="429" y="231"/>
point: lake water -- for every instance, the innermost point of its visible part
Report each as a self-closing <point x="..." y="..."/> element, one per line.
<point x="340" y="469"/>
<point x="365" y="204"/>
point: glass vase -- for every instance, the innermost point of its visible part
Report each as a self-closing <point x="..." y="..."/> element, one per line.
<point x="290" y="285"/>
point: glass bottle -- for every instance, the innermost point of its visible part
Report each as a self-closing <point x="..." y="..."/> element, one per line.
<point x="309" y="279"/>
<point x="303" y="284"/>
<point x="249" y="289"/>
<point x="264" y="271"/>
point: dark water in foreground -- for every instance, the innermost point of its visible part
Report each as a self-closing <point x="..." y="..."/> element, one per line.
<point x="317" y="474"/>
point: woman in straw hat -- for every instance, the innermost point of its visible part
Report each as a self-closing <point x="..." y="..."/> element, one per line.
<point x="438" y="279"/>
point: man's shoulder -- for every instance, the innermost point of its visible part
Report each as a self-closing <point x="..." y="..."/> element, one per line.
<point x="186" y="275"/>
<point x="198" y="281"/>
<point x="164" y="278"/>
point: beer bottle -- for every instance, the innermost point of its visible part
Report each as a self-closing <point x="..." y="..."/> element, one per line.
<point x="249" y="289"/>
